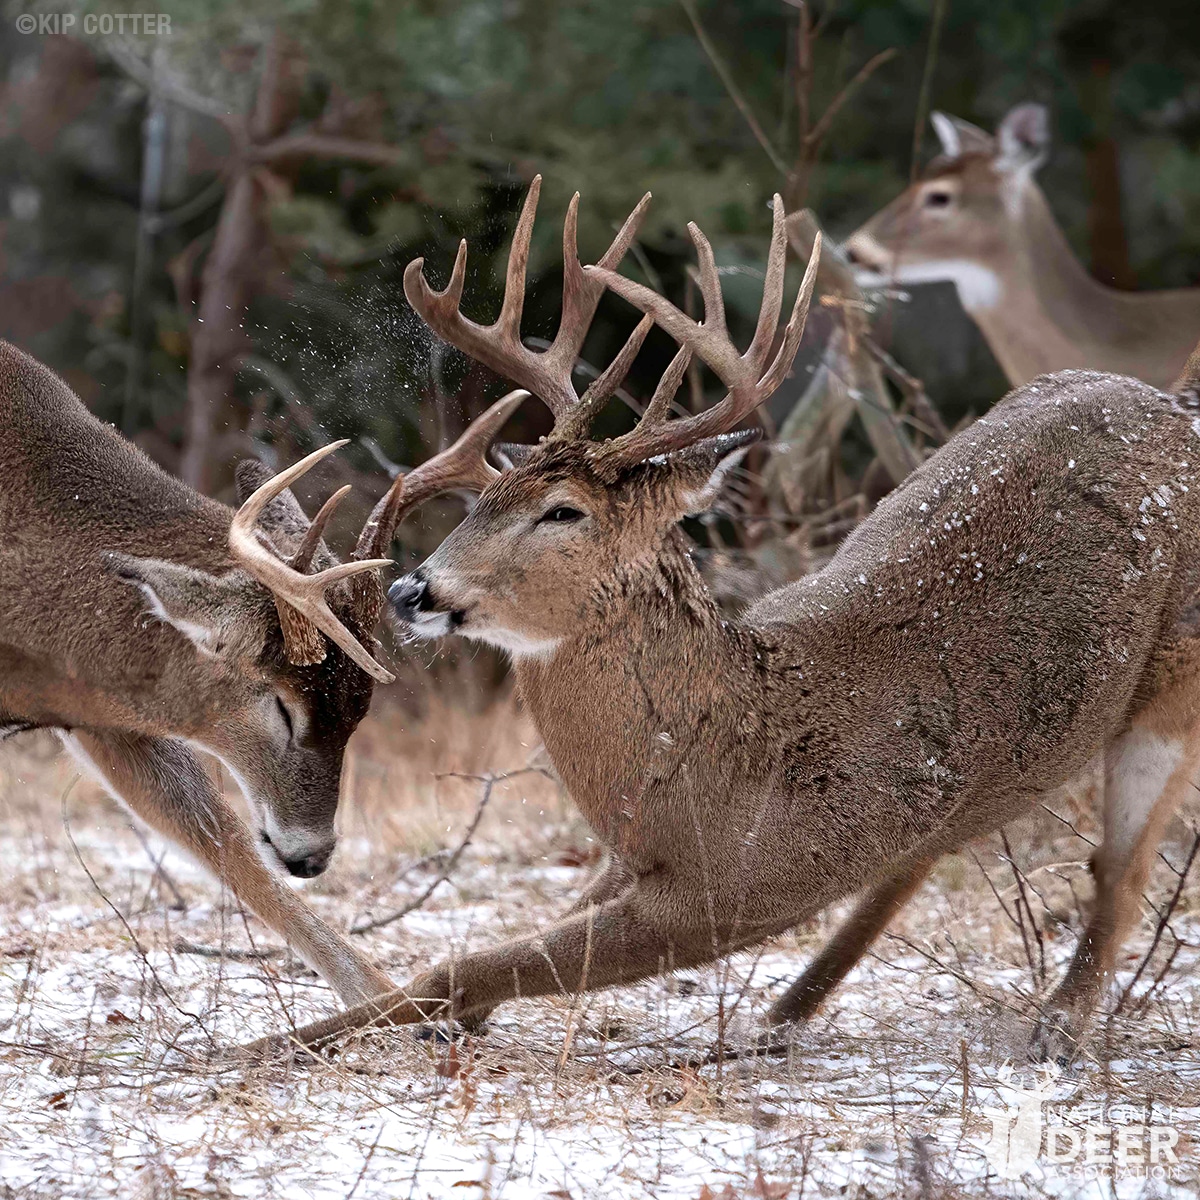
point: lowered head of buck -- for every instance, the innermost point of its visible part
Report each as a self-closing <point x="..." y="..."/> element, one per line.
<point x="960" y="222"/>
<point x="560" y="533"/>
<point x="258" y="685"/>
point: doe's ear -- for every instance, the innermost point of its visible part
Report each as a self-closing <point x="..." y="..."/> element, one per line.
<point x="218" y="615"/>
<point x="1024" y="138"/>
<point x="700" y="470"/>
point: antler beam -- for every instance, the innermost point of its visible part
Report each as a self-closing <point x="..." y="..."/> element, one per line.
<point x="303" y="595"/>
<point x="547" y="374"/>
<point x="743" y="374"/>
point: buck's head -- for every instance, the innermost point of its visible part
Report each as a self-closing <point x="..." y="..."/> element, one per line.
<point x="259" y="686"/>
<point x="552" y="541"/>
<point x="961" y="221"/>
<point x="556" y="535"/>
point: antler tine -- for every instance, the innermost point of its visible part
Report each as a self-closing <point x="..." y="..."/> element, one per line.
<point x="581" y="295"/>
<point x="463" y="465"/>
<point x="740" y="373"/>
<point x="772" y="301"/>
<point x="794" y="333"/>
<point x="658" y="409"/>
<point x="600" y="390"/>
<point x="302" y="559"/>
<point x="710" y="281"/>
<point x="292" y="590"/>
<point x="508" y="324"/>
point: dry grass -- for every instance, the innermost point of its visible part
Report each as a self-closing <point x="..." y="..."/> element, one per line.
<point x="884" y="1094"/>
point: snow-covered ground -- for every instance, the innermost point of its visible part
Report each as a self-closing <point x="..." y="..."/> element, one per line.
<point x="898" y="1088"/>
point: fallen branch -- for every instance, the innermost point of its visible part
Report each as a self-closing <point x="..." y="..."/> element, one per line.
<point x="232" y="953"/>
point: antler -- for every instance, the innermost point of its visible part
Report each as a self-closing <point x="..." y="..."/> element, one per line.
<point x="548" y="373"/>
<point x="300" y="599"/>
<point x="749" y="385"/>
<point x="302" y="559"/>
<point x="464" y="465"/>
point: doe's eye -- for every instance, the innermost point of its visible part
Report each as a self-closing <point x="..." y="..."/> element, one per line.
<point x="937" y="199"/>
<point x="561" y="513"/>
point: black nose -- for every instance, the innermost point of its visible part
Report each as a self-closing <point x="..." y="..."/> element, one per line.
<point x="309" y="865"/>
<point x="409" y="594"/>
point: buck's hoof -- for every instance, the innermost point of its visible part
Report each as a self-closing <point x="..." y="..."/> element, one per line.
<point x="774" y="1040"/>
<point x="1057" y="1037"/>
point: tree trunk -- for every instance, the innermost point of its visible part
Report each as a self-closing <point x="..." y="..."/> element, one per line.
<point x="1108" y="244"/>
<point x="217" y="339"/>
<point x="231" y="276"/>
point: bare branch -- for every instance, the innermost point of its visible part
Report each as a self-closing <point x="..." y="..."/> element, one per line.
<point x="735" y="94"/>
<point x="305" y="144"/>
<point x="489" y="782"/>
<point x="170" y="87"/>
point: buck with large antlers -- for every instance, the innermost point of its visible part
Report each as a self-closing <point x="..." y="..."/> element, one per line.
<point x="979" y="219"/>
<point x="1020" y="605"/>
<point x="139" y="619"/>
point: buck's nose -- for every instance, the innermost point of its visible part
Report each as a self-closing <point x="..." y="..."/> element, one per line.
<point x="410" y="594"/>
<point x="309" y="865"/>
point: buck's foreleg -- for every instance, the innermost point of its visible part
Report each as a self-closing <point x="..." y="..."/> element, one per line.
<point x="163" y="783"/>
<point x="612" y="878"/>
<point x="1146" y="774"/>
<point x="868" y="920"/>
<point x="652" y="927"/>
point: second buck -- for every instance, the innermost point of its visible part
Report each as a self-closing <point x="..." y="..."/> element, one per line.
<point x="1019" y="606"/>
<point x="140" y="621"/>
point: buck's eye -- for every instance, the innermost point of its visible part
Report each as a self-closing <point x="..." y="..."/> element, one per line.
<point x="560" y="513"/>
<point x="287" y="718"/>
<point x="937" y="199"/>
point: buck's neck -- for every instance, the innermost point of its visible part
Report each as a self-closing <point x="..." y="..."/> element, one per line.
<point x="1050" y="314"/>
<point x="653" y="673"/>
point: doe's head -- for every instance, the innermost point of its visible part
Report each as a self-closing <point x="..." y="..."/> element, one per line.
<point x="557" y="530"/>
<point x="960" y="221"/>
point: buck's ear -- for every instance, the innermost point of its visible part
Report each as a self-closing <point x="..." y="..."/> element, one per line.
<point x="700" y="470"/>
<point x="959" y="137"/>
<point x="283" y="519"/>
<point x="219" y="615"/>
<point x="1024" y="138"/>
<point x="511" y="454"/>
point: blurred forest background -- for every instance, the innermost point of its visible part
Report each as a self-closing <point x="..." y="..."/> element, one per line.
<point x="205" y="232"/>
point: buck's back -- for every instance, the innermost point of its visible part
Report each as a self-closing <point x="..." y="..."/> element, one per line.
<point x="978" y="638"/>
<point x="1084" y="480"/>
<point x="70" y="489"/>
<point x="1020" y="580"/>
